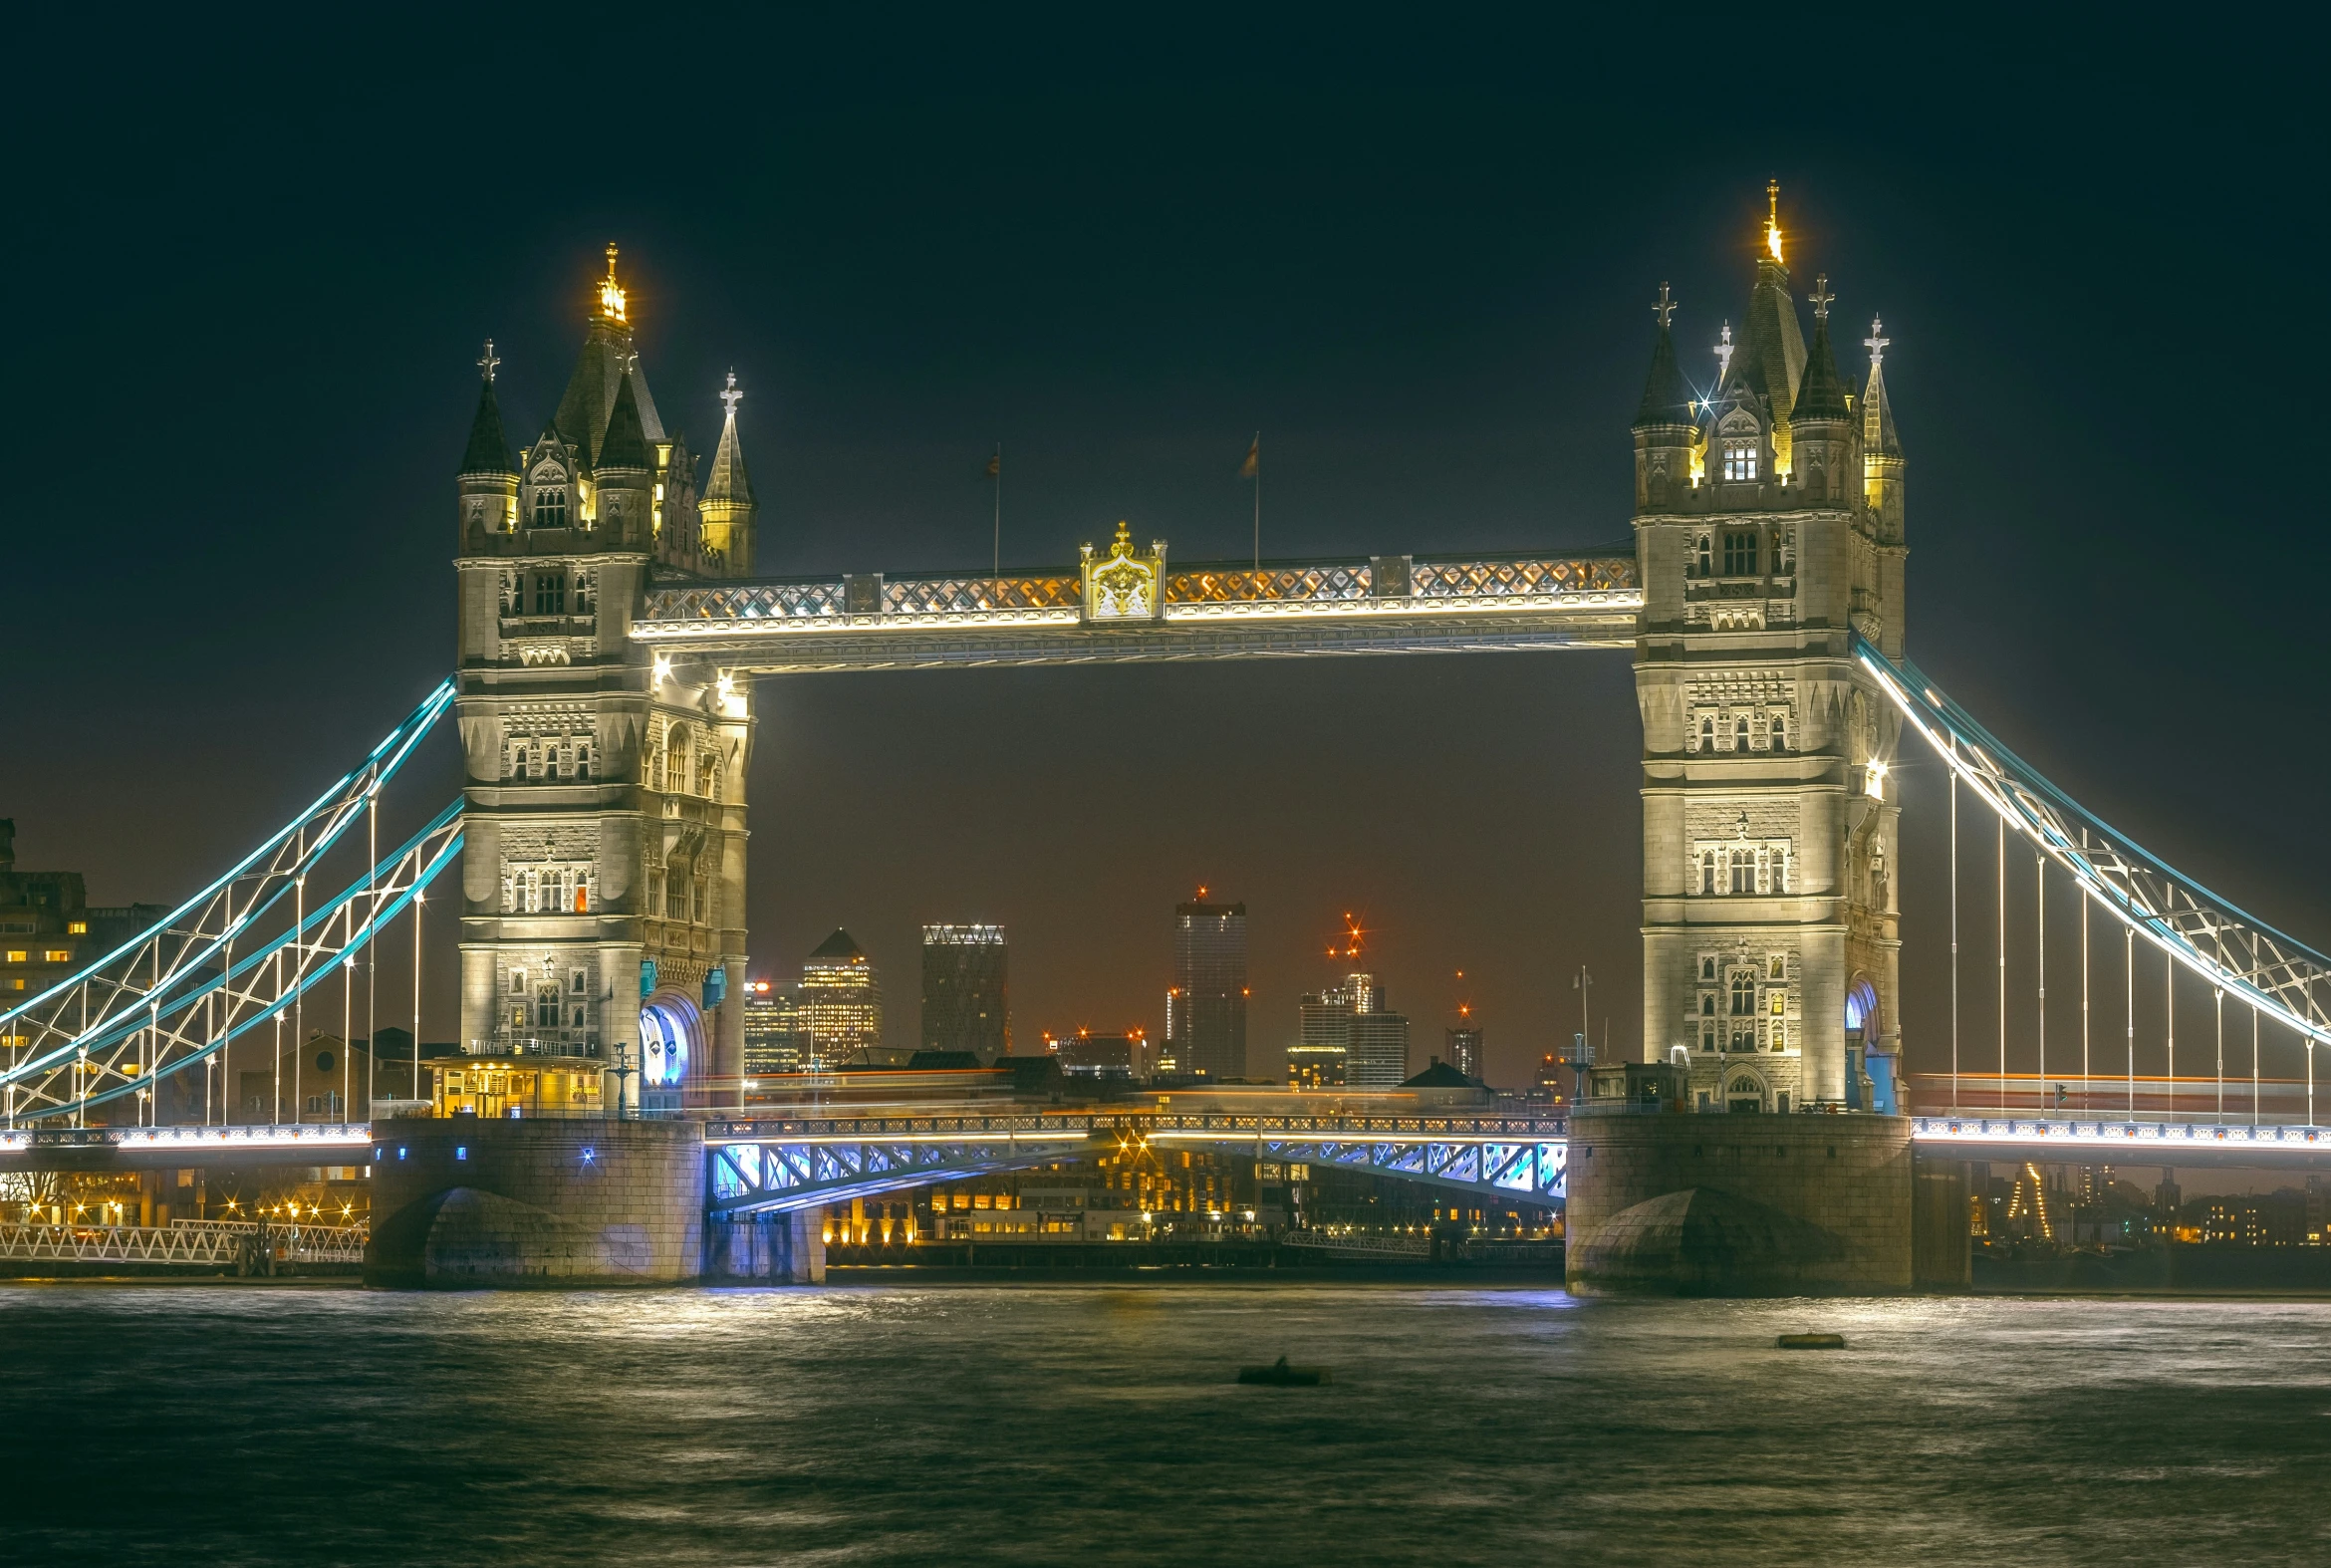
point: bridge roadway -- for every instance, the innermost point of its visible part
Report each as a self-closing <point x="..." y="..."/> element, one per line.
<point x="1130" y="607"/>
<point x="779" y="1163"/>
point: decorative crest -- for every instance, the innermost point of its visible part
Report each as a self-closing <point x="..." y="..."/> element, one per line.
<point x="610" y="293"/>
<point x="1874" y="342"/>
<point x="1126" y="586"/>
<point x="1664" y="310"/>
<point x="1821" y="297"/>
<point x="732" y="397"/>
<point x="1773" y="233"/>
<point x="1725" y="352"/>
<point x="486" y="361"/>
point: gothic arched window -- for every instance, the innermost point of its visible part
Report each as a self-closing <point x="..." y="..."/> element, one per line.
<point x="1740" y="733"/>
<point x="1744" y="993"/>
<point x="1707" y="968"/>
<point x="1743" y="870"/>
<point x="1780" y="733"/>
<point x="550" y="506"/>
<point x="1708" y="884"/>
<point x="1740" y="458"/>
<point x="1707" y="732"/>
<point x="1706" y="558"/>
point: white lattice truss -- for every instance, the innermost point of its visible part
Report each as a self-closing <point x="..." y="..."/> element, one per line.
<point x="208" y="972"/>
<point x="2284" y="978"/>
<point x="207" y="1243"/>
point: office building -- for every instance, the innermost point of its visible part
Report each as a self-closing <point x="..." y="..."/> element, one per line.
<point x="1205" y="1011"/>
<point x="48" y="926"/>
<point x="1349" y="1038"/>
<point x="1461" y="1049"/>
<point x="776" y="1028"/>
<point x="1085" y="1054"/>
<point x="844" y="999"/>
<point x="965" y="986"/>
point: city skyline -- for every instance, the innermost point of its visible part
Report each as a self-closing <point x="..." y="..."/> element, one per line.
<point x="1463" y="383"/>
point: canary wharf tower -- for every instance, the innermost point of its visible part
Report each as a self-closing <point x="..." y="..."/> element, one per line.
<point x="602" y="874"/>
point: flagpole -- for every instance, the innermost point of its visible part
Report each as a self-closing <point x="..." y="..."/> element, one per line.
<point x="999" y="509"/>
<point x="1259" y="500"/>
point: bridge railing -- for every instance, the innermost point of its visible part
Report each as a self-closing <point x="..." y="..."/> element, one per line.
<point x="1367" y="582"/>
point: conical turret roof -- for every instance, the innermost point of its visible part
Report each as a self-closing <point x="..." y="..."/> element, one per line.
<point x="1821" y="395"/>
<point x="1878" y="438"/>
<point x="1666" y="397"/>
<point x="625" y="445"/>
<point x="489" y="449"/>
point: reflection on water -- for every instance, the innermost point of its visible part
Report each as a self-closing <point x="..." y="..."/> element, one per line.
<point x="1100" y="1424"/>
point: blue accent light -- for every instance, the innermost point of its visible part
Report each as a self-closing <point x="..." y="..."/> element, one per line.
<point x="401" y="1151"/>
<point x="715" y="984"/>
<point x="647" y="976"/>
<point x="461" y="1151"/>
<point x="590" y="1155"/>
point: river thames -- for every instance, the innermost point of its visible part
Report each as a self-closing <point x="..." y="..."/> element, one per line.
<point x="1091" y="1424"/>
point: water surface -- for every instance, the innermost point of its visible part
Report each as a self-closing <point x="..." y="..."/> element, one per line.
<point x="1094" y="1424"/>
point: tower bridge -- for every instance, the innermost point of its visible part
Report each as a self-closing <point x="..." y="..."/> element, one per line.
<point x="610" y="633"/>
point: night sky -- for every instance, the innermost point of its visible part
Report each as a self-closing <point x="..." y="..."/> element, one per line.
<point x="251" y="270"/>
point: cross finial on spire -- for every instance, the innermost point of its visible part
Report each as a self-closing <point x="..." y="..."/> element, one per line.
<point x="1821" y="297"/>
<point x="1773" y="233"/>
<point x="732" y="397"/>
<point x="1665" y="308"/>
<point x="1875" y="344"/>
<point x="1725" y="352"/>
<point x="486" y="361"/>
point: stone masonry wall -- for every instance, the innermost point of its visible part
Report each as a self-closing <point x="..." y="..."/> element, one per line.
<point x="464" y="1203"/>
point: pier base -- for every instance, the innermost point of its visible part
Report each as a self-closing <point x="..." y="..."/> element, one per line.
<point x="461" y="1204"/>
<point x="1677" y="1204"/>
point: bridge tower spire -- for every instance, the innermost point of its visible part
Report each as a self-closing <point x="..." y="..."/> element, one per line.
<point x="1770" y="942"/>
<point x="603" y="865"/>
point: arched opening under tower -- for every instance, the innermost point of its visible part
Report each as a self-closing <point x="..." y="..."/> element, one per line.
<point x="671" y="1038"/>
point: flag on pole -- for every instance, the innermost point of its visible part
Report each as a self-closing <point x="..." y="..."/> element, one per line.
<point x="1253" y="465"/>
<point x="995" y="465"/>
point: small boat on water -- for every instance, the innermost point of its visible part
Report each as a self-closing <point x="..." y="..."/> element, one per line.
<point x="1279" y="1375"/>
<point x="1812" y="1342"/>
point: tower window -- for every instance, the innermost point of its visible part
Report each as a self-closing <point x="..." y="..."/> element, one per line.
<point x="1740" y="733"/>
<point x="1741" y="460"/>
<point x="1707" y="1004"/>
<point x="1780" y="733"/>
<point x="1708" y="733"/>
<point x="550" y="507"/>
<point x="1740" y="555"/>
<point x="1706" y="564"/>
<point x="550" y="593"/>
<point x="1707" y="968"/>
<point x="1744" y="993"/>
<point x="1743" y="870"/>
<point x="1708" y="884"/>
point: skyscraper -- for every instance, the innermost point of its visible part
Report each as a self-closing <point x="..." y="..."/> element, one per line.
<point x="1380" y="1049"/>
<point x="776" y="1028"/>
<point x="1462" y="1049"/>
<point x="844" y="998"/>
<point x="1205" y="1011"/>
<point x="1349" y="1038"/>
<point x="966" y="989"/>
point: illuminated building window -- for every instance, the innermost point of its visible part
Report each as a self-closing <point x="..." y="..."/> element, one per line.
<point x="56" y="955"/>
<point x="550" y="593"/>
<point x="1740" y="555"/>
<point x="77" y="928"/>
<point x="1776" y="968"/>
<point x="550" y="506"/>
<point x="1780" y="1003"/>
<point x="17" y="956"/>
<point x="1741" y="460"/>
<point x="16" y="984"/>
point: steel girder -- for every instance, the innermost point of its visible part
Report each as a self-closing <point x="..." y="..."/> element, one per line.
<point x="781" y="1175"/>
<point x="2280" y="976"/>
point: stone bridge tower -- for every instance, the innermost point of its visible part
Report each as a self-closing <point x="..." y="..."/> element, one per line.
<point x="1768" y="521"/>
<point x="603" y="863"/>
